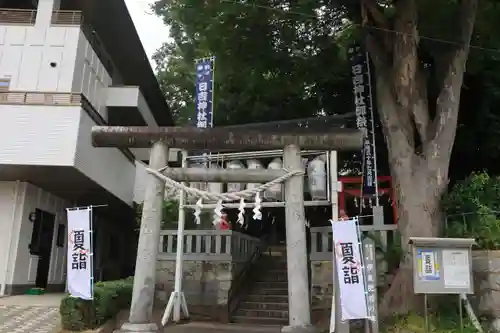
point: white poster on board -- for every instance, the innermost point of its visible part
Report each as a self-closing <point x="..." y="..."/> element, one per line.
<point x="79" y="253"/>
<point x="456" y="268"/>
<point x="349" y="270"/>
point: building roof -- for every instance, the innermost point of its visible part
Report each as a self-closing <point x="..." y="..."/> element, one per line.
<point x="113" y="24"/>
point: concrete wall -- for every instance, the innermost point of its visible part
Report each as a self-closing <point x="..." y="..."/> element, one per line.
<point x="18" y="265"/>
<point x="26" y="54"/>
<point x="206" y="285"/>
<point x="486" y="279"/>
<point x="106" y="166"/>
<point x="38" y="134"/>
<point x="321" y="291"/>
<point x="8" y="205"/>
<point x="90" y="76"/>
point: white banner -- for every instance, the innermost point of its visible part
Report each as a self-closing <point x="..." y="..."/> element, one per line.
<point x="349" y="270"/>
<point x="80" y="253"/>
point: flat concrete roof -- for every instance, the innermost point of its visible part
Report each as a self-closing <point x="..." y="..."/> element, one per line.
<point x="113" y="24"/>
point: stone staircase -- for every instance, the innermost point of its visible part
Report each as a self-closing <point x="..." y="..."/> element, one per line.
<point x="266" y="303"/>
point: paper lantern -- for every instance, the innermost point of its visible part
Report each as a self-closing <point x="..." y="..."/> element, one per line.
<point x="197" y="185"/>
<point x="275" y="193"/>
<point x="234" y="187"/>
<point x="253" y="164"/>
<point x="316" y="176"/>
<point x="215" y="187"/>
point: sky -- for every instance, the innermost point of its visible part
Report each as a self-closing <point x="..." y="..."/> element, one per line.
<point x="151" y="29"/>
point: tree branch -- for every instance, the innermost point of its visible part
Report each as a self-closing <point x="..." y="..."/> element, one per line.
<point x="378" y="40"/>
<point x="420" y="110"/>
<point x="444" y="125"/>
<point x="405" y="57"/>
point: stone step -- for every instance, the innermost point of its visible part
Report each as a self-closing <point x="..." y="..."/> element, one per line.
<point x="276" y="277"/>
<point x="271" y="270"/>
<point x="259" y="313"/>
<point x="264" y="305"/>
<point x="271" y="285"/>
<point x="267" y="298"/>
<point x="260" y="321"/>
<point x="270" y="291"/>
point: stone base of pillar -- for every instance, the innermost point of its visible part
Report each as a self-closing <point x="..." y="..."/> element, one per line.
<point x="138" y="328"/>
<point x="299" y="329"/>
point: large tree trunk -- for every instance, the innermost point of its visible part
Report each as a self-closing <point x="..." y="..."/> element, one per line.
<point x="419" y="143"/>
<point x="419" y="182"/>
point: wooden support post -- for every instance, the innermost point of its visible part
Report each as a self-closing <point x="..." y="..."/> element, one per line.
<point x="336" y="323"/>
<point x="296" y="247"/>
<point x="141" y="309"/>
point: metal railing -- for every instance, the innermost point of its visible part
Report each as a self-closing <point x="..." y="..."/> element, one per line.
<point x="67" y="17"/>
<point x="40" y="98"/>
<point x="17" y="16"/>
<point x="208" y="245"/>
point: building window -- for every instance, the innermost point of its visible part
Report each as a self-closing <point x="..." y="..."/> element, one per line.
<point x="4" y="85"/>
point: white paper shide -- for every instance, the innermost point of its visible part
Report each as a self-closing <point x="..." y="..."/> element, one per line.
<point x="79" y="253"/>
<point x="353" y="300"/>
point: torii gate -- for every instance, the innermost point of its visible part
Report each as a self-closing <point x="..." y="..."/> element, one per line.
<point x="222" y="139"/>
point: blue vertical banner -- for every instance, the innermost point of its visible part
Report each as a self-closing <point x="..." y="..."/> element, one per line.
<point x="204" y="116"/>
<point x="363" y="104"/>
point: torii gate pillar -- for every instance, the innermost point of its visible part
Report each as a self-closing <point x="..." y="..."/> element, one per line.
<point x="296" y="247"/>
<point x="141" y="309"/>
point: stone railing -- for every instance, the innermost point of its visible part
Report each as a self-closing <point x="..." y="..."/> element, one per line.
<point x="322" y="239"/>
<point x="322" y="265"/>
<point x="213" y="260"/>
<point x="17" y="16"/>
<point x="208" y="245"/>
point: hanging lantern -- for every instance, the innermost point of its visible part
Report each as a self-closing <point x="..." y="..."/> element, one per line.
<point x="215" y="187"/>
<point x="234" y="187"/>
<point x="316" y="176"/>
<point x="275" y="192"/>
<point x="253" y="164"/>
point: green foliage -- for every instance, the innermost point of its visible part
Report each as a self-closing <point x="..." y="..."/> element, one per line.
<point x="271" y="64"/>
<point x="109" y="298"/>
<point x="438" y="323"/>
<point x="472" y="209"/>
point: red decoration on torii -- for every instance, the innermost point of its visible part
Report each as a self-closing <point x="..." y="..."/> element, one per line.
<point x="385" y="187"/>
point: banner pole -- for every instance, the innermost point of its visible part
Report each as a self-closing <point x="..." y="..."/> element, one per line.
<point x="91" y="255"/>
<point x="362" y="263"/>
<point x="372" y="124"/>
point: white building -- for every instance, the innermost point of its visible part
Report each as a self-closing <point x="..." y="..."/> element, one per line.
<point x="66" y="65"/>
